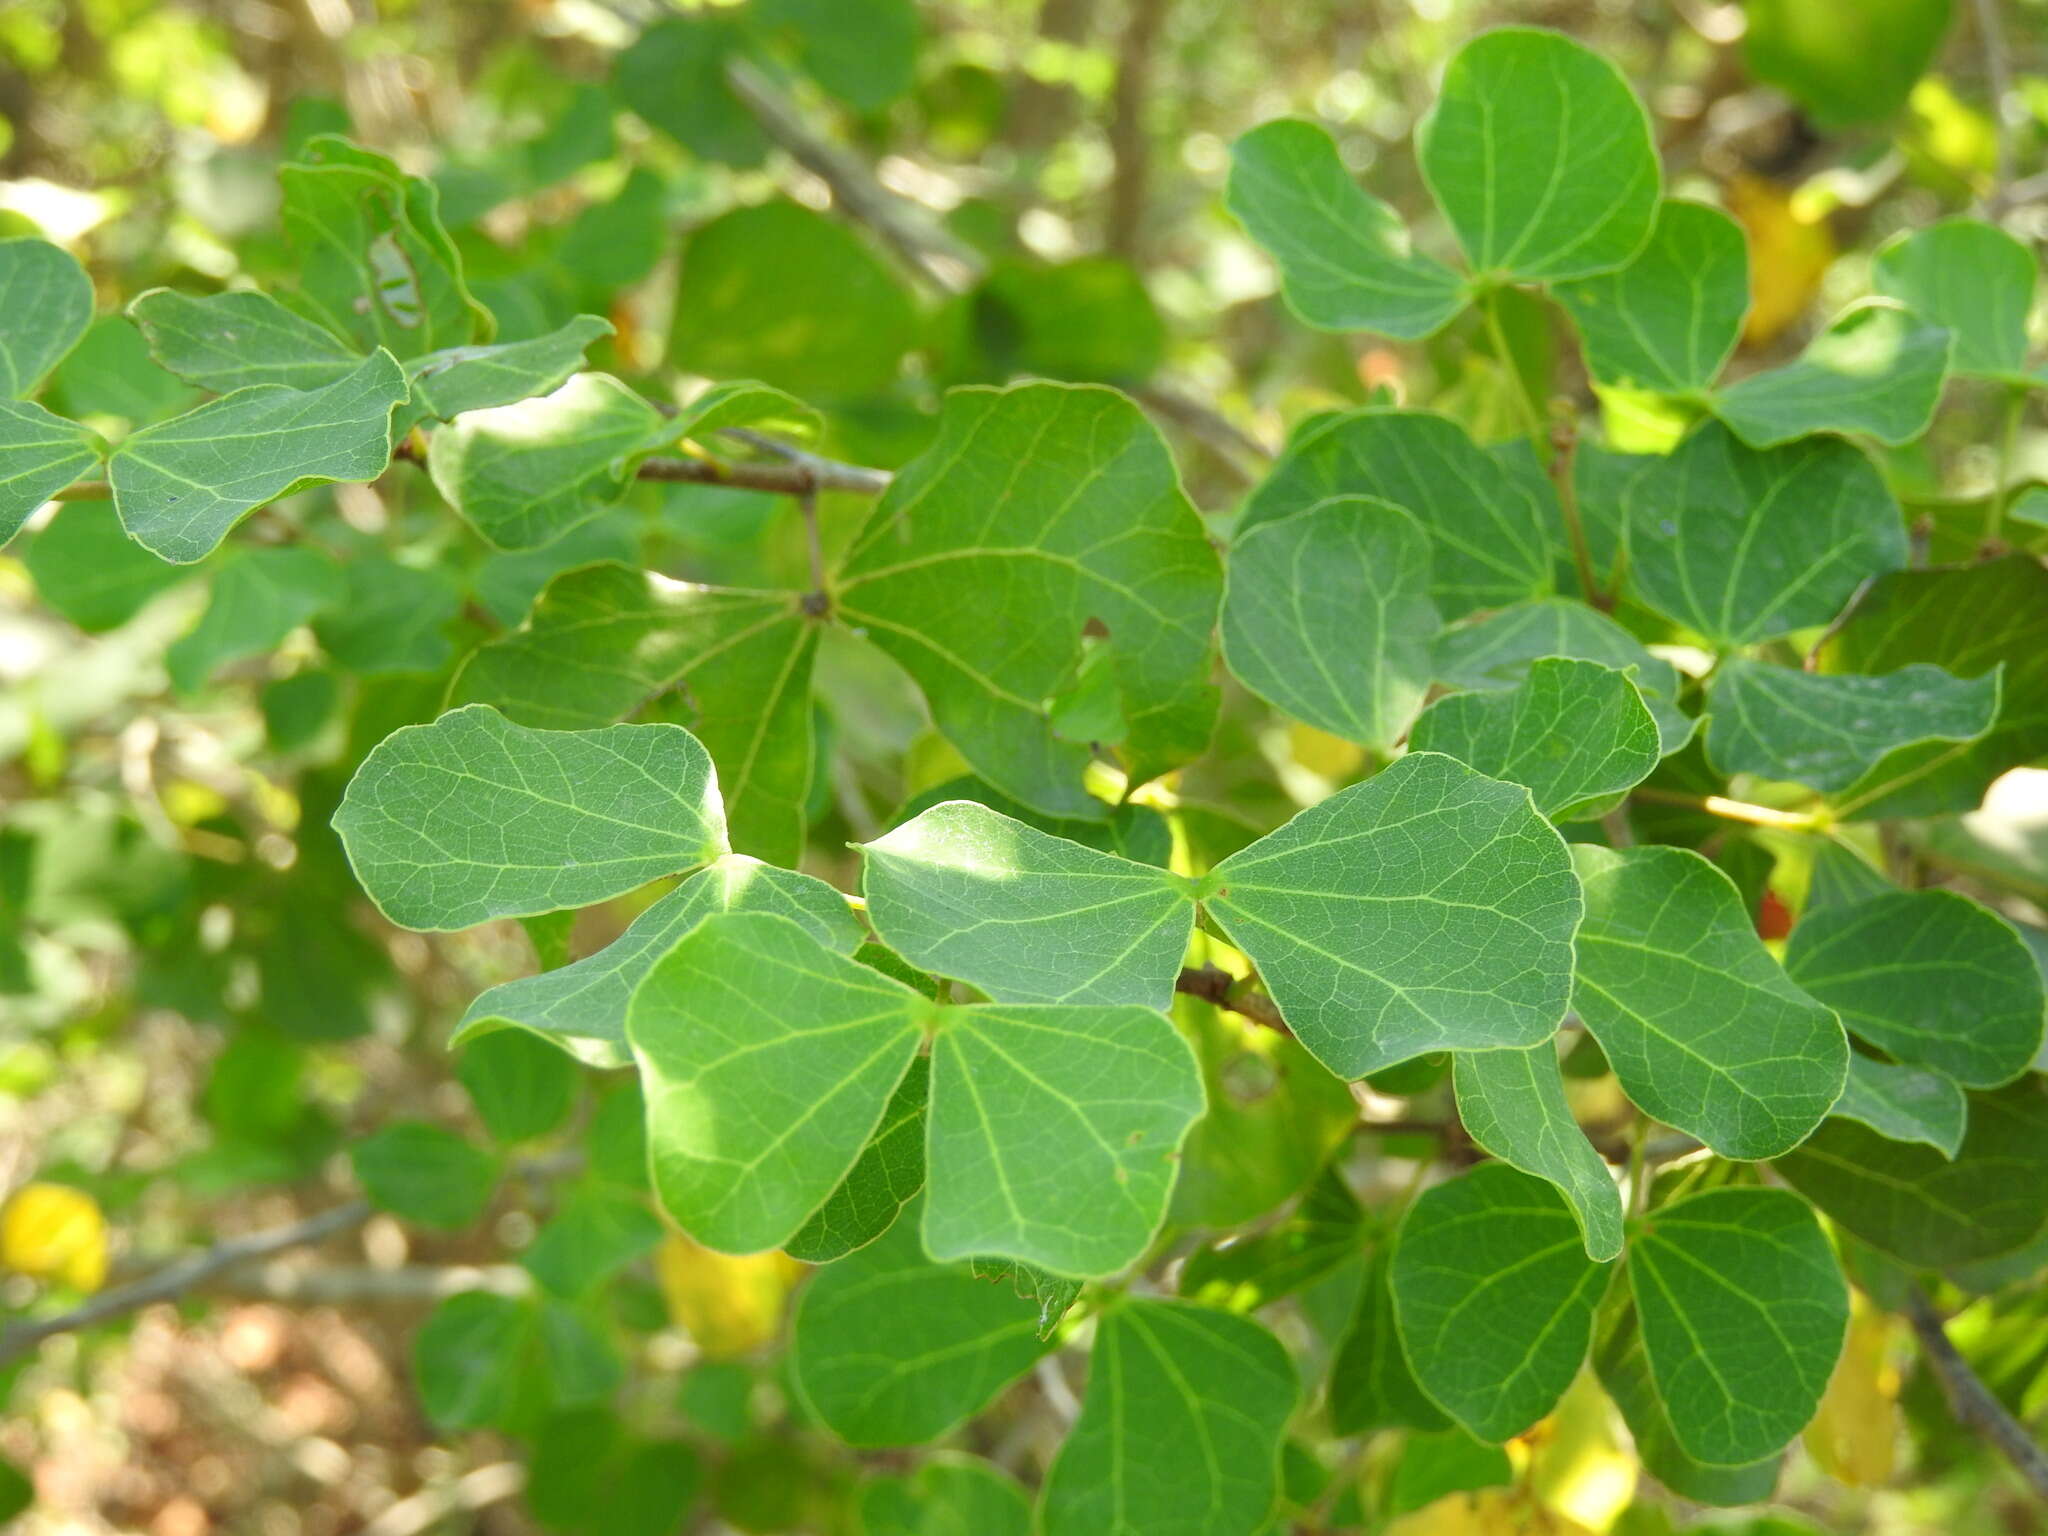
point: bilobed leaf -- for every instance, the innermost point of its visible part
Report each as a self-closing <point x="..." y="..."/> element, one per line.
<point x="424" y="1174"/>
<point x="1344" y="256"/>
<point x="1904" y="1103"/>
<point x="1703" y="1028"/>
<point x="1428" y="908"/>
<point x="1180" y="1427"/>
<point x="949" y="1495"/>
<point x="980" y="578"/>
<point x="1540" y="156"/>
<point x="47" y="299"/>
<point x="887" y="1177"/>
<point x="604" y="639"/>
<point x="86" y="567"/>
<point x="526" y="473"/>
<point x="1743" y="1308"/>
<point x="1372" y="1385"/>
<point x="1055" y="1134"/>
<point x="228" y="341"/>
<point x="1877" y="370"/>
<point x="889" y="1348"/>
<point x="1024" y="916"/>
<point x="1575" y="733"/>
<point x="1494" y="1298"/>
<point x="457" y="379"/>
<point x="1489" y="527"/>
<point x="1974" y="279"/>
<point x="1744" y="545"/>
<point x="473" y="817"/>
<point x="1624" y="1370"/>
<point x="40" y="454"/>
<point x="1327" y="615"/>
<point x="1927" y="1209"/>
<point x="1669" y="319"/>
<point x="1843" y="734"/>
<point x="182" y="484"/>
<point x="1930" y="978"/>
<point x="1512" y="1103"/>
<point x="259" y="596"/>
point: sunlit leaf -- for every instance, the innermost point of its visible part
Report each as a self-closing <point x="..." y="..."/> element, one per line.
<point x="1974" y="279"/>
<point x="1877" y="371"/>
<point x="1513" y="1104"/>
<point x="1670" y="319"/>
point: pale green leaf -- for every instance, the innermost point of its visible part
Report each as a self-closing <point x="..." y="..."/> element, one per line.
<point x="228" y="341"/>
<point x="1512" y="1104"/>
<point x="1745" y="545"/>
<point x="1055" y="1134"/>
<point x="1344" y="256"/>
<point x="1428" y="908"/>
<point x="889" y="1348"/>
<point x="1327" y="615"/>
<point x="457" y="379"/>
<point x="1432" y="1467"/>
<point x="1971" y="277"/>
<point x="980" y="579"/>
<point x="1930" y="978"/>
<point x="1743" y="1309"/>
<point x="949" y="1495"/>
<point x="1668" y="320"/>
<point x="1703" y="1028"/>
<point x="1540" y="156"/>
<point x="526" y="473"/>
<point x="1052" y="1296"/>
<point x="1904" y="1104"/>
<point x="1624" y="1370"/>
<point x="1876" y="370"/>
<point x="40" y="454"/>
<point x="1490" y="527"/>
<point x="259" y="596"/>
<point x="1372" y="1385"/>
<point x="887" y="1177"/>
<point x="1575" y="733"/>
<point x="424" y="1174"/>
<point x="1494" y="1298"/>
<point x="1180" y="1427"/>
<point x="47" y="300"/>
<point x="594" y="1233"/>
<point x="521" y="1088"/>
<point x="182" y="484"/>
<point x="582" y="1006"/>
<point x="744" y="403"/>
<point x="473" y="817"/>
<point x="1838" y="732"/>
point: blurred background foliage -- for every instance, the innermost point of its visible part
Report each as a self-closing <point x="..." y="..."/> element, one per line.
<point x="863" y="202"/>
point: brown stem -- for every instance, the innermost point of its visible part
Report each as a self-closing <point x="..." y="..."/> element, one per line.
<point x="1215" y="985"/>
<point x="1973" y="1402"/>
<point x="1130" y="146"/>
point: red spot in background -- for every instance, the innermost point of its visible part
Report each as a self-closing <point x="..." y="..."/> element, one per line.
<point x="1773" y="917"/>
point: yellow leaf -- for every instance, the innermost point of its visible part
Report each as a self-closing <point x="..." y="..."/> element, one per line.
<point x="729" y="1304"/>
<point x="55" y="1232"/>
<point x="1788" y="255"/>
<point x="1318" y="751"/>
<point x="1578" y="1467"/>
<point x="1490" y="1512"/>
<point x="1856" y="1432"/>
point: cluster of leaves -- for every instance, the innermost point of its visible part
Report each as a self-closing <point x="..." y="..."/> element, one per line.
<point x="984" y="1067"/>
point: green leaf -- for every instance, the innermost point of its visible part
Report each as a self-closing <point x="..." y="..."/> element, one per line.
<point x="1055" y="1134"/>
<point x="1972" y="278"/>
<point x="228" y="341"/>
<point x="1180" y="1427"/>
<point x="1930" y="978"/>
<point x="1344" y="256"/>
<point x="1745" y="545"/>
<point x="521" y="1086"/>
<point x="1024" y="916"/>
<point x="1965" y="620"/>
<point x="457" y="379"/>
<point x="1240" y="1273"/>
<point x="86" y="567"/>
<point x="1743" y="1309"/>
<point x="862" y="51"/>
<point x="1850" y="736"/>
<point x="1540" y="156"/>
<point x="949" y="1495"/>
<point x="1099" y="533"/>
<point x="473" y="817"/>
<point x="1846" y="62"/>
<point x="1512" y="1104"/>
<point x="768" y="1062"/>
<point x="1927" y="1209"/>
<point x="601" y="641"/>
<point x="1087" y="320"/>
<point x="40" y="454"/>
<point x="259" y="597"/>
<point x="394" y="619"/>
<point x="1904" y="1104"/>
<point x="674" y="76"/>
<point x="425" y="1174"/>
<point x="1489" y="527"/>
<point x="524" y="474"/>
<point x="1670" y="319"/>
<point x="1494" y="1297"/>
<point x="779" y="293"/>
<point x="594" y="1233"/>
<point x="1499" y="650"/>
<point x="1577" y="734"/>
<point x="887" y="1177"/>
<point x="744" y="403"/>
<point x="1372" y="1385"/>
<point x="1876" y="370"/>
<point x="1434" y="1466"/>
<point x="183" y="484"/>
<point x="889" y="1348"/>
<point x="47" y="299"/>
<point x="1327" y="615"/>
<point x="1703" y="1028"/>
<point x="1135" y="832"/>
<point x="468" y="1358"/>
<point x="582" y="1007"/>
<point x="1428" y="908"/>
<point x="1053" y="1296"/>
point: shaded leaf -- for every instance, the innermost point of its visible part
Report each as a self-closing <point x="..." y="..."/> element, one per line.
<point x="1668" y="320"/>
<point x="1623" y="1365"/>
<point x="1372" y="1385"/>
<point x="887" y="1177"/>
<point x="259" y="597"/>
<point x="40" y="454"/>
<point x="228" y="341"/>
<point x="949" y="1495"/>
<point x="1970" y="277"/>
<point x="86" y="567"/>
<point x="1512" y="1104"/>
<point x="1904" y="1104"/>
<point x="424" y="1174"/>
<point x="47" y="299"/>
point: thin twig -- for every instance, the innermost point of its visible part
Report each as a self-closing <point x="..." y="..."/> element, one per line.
<point x="1214" y="985"/>
<point x="1130" y="146"/>
<point x="1973" y="1402"/>
<point x="796" y="476"/>
<point x="1998" y="73"/>
<point x="1231" y="443"/>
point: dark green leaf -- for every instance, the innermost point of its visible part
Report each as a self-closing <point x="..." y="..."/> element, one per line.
<point x="949" y="1495"/>
<point x="1513" y="1104"/>
<point x="259" y="597"/>
<point x="1904" y="1104"/>
<point x="1877" y="370"/>
<point x="47" y="299"/>
<point x="1669" y="319"/>
<point x="1624" y="1368"/>
<point x="228" y="341"/>
<point x="425" y="1174"/>
<point x="1371" y="1383"/>
<point x="521" y="1086"/>
<point x="887" y="1177"/>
